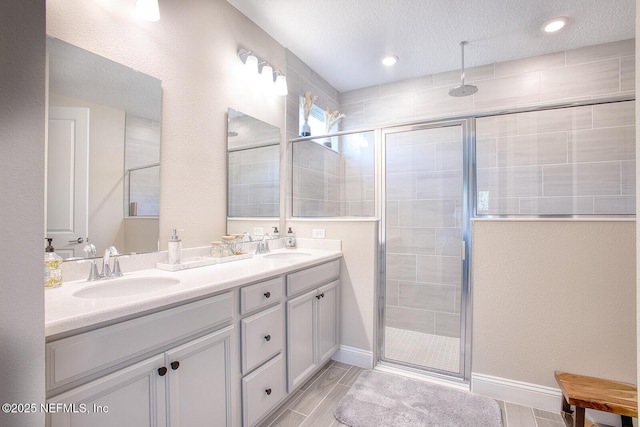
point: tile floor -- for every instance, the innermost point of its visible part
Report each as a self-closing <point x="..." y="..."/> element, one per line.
<point x="314" y="403"/>
<point x="418" y="348"/>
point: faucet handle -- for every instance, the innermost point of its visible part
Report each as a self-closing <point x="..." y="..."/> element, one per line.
<point x="116" y="266"/>
<point x="93" y="270"/>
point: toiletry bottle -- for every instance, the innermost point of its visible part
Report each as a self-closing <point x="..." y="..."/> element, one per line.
<point x="290" y="240"/>
<point x="175" y="248"/>
<point x="52" y="267"/>
<point x="276" y="233"/>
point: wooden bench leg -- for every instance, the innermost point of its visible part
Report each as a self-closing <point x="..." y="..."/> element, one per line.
<point x="578" y="417"/>
<point x="626" y="421"/>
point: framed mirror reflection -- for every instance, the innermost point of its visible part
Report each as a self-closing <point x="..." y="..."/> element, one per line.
<point x="103" y="154"/>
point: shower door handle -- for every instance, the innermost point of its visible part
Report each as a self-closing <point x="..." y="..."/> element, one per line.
<point x="464" y="250"/>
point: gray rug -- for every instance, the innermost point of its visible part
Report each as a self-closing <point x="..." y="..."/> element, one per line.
<point x="381" y="399"/>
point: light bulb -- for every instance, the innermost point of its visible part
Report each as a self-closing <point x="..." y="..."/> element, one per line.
<point x="555" y="24"/>
<point x="389" y="60"/>
<point x="267" y="74"/>
<point x="252" y="63"/>
<point x="148" y="10"/>
<point x="281" y="85"/>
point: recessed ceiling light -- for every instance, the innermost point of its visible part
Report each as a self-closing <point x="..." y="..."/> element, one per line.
<point x="555" y="24"/>
<point x="389" y="60"/>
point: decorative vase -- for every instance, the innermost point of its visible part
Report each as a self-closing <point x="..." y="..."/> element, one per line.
<point x="306" y="130"/>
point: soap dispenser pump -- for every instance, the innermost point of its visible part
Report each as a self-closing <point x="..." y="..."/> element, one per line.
<point x="175" y="248"/>
<point x="52" y="266"/>
<point x="290" y="240"/>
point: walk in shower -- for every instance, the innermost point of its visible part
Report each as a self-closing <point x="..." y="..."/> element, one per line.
<point x="423" y="228"/>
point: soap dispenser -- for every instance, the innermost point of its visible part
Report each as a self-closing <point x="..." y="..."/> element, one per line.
<point x="175" y="248"/>
<point x="290" y="240"/>
<point x="276" y="233"/>
<point x="52" y="267"/>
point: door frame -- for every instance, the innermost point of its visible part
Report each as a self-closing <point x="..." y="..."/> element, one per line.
<point x="468" y="190"/>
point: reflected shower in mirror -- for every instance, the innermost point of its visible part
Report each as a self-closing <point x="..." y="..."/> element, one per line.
<point x="253" y="186"/>
<point x="103" y="156"/>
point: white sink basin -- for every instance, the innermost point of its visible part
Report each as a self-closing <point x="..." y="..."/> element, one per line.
<point x="126" y="287"/>
<point x="286" y="255"/>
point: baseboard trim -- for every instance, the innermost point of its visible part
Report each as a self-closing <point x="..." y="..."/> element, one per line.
<point x="532" y="395"/>
<point x="354" y="356"/>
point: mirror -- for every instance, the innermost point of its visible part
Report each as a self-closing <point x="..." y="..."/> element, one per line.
<point x="103" y="154"/>
<point x="253" y="182"/>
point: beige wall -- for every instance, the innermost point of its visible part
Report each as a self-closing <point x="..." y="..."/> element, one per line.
<point x="554" y="296"/>
<point x="637" y="79"/>
<point x="22" y="119"/>
<point x="358" y="276"/>
<point x="193" y="50"/>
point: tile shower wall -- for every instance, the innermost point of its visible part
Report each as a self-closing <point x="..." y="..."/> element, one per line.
<point x="254" y="182"/>
<point x="334" y="182"/>
<point x="570" y="161"/>
<point x="586" y="73"/>
<point x="423" y="210"/>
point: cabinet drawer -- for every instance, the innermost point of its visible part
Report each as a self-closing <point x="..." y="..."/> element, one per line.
<point x="263" y="390"/>
<point x="73" y="358"/>
<point x="312" y="277"/>
<point x="260" y="294"/>
<point x="262" y="337"/>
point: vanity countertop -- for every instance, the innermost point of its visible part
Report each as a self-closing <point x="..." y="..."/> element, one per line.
<point x="65" y="312"/>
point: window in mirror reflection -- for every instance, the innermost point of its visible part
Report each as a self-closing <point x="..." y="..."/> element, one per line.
<point x="142" y="166"/>
<point x="337" y="181"/>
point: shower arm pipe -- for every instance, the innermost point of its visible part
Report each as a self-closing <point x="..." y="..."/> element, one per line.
<point x="462" y="45"/>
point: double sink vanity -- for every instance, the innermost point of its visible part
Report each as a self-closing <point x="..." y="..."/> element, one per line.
<point x="218" y="345"/>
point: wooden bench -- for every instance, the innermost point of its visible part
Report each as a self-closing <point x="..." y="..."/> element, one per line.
<point x="595" y="393"/>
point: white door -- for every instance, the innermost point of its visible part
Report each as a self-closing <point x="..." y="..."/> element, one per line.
<point x="130" y="397"/>
<point x="67" y="186"/>
<point x="200" y="381"/>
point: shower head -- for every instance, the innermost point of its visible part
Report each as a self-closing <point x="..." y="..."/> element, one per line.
<point x="463" y="89"/>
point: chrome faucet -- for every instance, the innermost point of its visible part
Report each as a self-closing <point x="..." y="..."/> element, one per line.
<point x="262" y="246"/>
<point x="106" y="269"/>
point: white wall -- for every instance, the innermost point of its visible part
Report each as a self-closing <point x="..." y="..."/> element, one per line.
<point x="22" y="118"/>
<point x="193" y="50"/>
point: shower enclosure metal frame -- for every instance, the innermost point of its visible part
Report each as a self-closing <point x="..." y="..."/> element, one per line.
<point x="468" y="190"/>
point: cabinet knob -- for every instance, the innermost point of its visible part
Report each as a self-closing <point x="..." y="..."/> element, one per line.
<point x="267" y="294"/>
<point x="268" y="391"/>
<point x="162" y="371"/>
<point x="322" y="295"/>
<point x="318" y="297"/>
<point x="175" y="365"/>
<point x="267" y="338"/>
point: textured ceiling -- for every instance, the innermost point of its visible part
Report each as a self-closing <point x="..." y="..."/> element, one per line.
<point x="344" y="40"/>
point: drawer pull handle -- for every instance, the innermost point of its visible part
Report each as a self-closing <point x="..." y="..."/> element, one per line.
<point x="268" y="391"/>
<point x="162" y="371"/>
<point x="267" y="338"/>
<point x="175" y="365"/>
<point x="267" y="294"/>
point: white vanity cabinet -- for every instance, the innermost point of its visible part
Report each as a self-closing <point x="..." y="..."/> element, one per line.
<point x="312" y="320"/>
<point x="177" y="385"/>
<point x="262" y="337"/>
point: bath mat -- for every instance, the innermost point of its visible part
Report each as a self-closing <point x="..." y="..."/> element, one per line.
<point x="381" y="399"/>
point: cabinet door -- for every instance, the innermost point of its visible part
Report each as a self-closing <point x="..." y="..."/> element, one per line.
<point x="327" y="322"/>
<point x="130" y="397"/>
<point x="300" y="338"/>
<point x="199" y="381"/>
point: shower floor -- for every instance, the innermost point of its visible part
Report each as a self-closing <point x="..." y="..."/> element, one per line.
<point x="418" y="348"/>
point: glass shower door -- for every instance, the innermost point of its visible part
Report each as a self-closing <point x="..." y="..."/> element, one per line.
<point x="423" y="227"/>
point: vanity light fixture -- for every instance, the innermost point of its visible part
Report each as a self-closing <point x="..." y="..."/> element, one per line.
<point x="266" y="71"/>
<point x="148" y="10"/>
<point x="555" y="24"/>
<point x="389" y="60"/>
